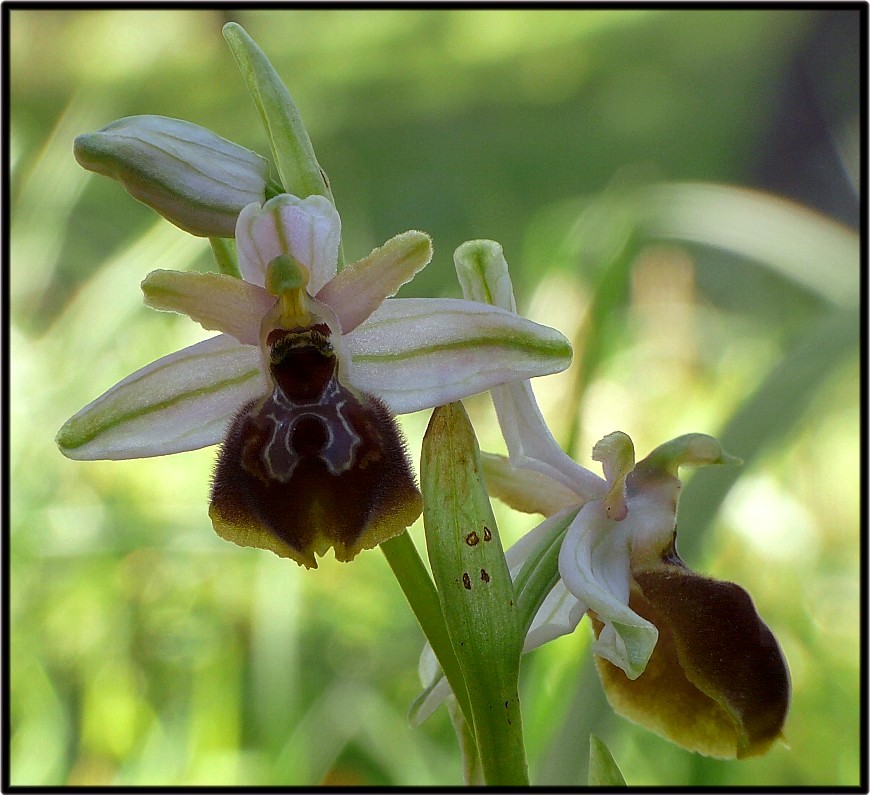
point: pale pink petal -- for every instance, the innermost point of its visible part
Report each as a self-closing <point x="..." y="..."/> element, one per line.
<point x="361" y="288"/>
<point x="214" y="300"/>
<point x="309" y="229"/>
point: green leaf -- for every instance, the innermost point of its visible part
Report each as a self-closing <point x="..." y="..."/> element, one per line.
<point x="475" y="590"/>
<point x="603" y="771"/>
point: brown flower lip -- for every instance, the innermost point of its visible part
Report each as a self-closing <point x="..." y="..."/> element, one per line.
<point x="313" y="464"/>
<point x="717" y="682"/>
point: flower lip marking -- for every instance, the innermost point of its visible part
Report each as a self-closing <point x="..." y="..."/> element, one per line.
<point x="314" y="463"/>
<point x="306" y="409"/>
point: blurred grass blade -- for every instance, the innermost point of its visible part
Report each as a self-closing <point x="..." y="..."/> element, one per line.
<point x="599" y="330"/>
<point x="603" y="771"/>
<point x="805" y="247"/>
<point x="48" y="186"/>
<point x="768" y="416"/>
<point x="475" y="589"/>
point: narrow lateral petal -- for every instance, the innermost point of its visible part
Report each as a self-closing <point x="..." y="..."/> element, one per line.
<point x="593" y="563"/>
<point x="525" y="489"/>
<point x="484" y="276"/>
<point x="415" y="353"/>
<point x="532" y="446"/>
<point x="309" y="229"/>
<point x="361" y="288"/>
<point x="616" y="454"/>
<point x="216" y="301"/>
<point x="180" y="402"/>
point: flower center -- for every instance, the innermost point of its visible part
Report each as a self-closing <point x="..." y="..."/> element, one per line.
<point x="287" y="280"/>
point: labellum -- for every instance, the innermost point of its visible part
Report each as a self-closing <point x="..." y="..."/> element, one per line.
<point x="314" y="464"/>
<point x="717" y="682"/>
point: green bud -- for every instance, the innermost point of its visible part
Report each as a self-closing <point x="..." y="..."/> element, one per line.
<point x="190" y="175"/>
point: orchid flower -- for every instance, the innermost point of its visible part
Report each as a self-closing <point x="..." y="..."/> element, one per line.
<point x="303" y="381"/>
<point x="682" y="654"/>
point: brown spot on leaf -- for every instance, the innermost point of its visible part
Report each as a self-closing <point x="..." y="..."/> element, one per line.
<point x="484" y="576"/>
<point x="472" y="539"/>
<point x="466" y="580"/>
<point x="487" y="534"/>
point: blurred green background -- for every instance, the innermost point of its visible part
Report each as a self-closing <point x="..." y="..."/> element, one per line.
<point x="146" y="650"/>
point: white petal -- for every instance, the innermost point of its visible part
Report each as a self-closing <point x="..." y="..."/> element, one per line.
<point x="180" y="402"/>
<point x="594" y="564"/>
<point x="561" y="611"/>
<point x="530" y="442"/>
<point x="559" y="615"/>
<point x="525" y="489"/>
<point x="361" y="288"/>
<point x="429" y="700"/>
<point x="309" y="229"/>
<point x="416" y="353"/>
<point x="214" y="300"/>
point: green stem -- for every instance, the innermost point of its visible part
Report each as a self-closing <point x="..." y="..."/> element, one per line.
<point x="419" y="590"/>
<point x="224" y="251"/>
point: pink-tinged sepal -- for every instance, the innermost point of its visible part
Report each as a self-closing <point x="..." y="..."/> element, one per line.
<point x="313" y="465"/>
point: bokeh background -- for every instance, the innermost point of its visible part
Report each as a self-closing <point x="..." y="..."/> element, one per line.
<point x="146" y="650"/>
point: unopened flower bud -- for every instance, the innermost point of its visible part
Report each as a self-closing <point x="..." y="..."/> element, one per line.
<point x="190" y="175"/>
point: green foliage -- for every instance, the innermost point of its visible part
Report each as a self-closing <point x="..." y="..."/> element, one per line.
<point x="603" y="770"/>
<point x="144" y="650"/>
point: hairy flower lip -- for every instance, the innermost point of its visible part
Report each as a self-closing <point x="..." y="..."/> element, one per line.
<point x="717" y="682"/>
